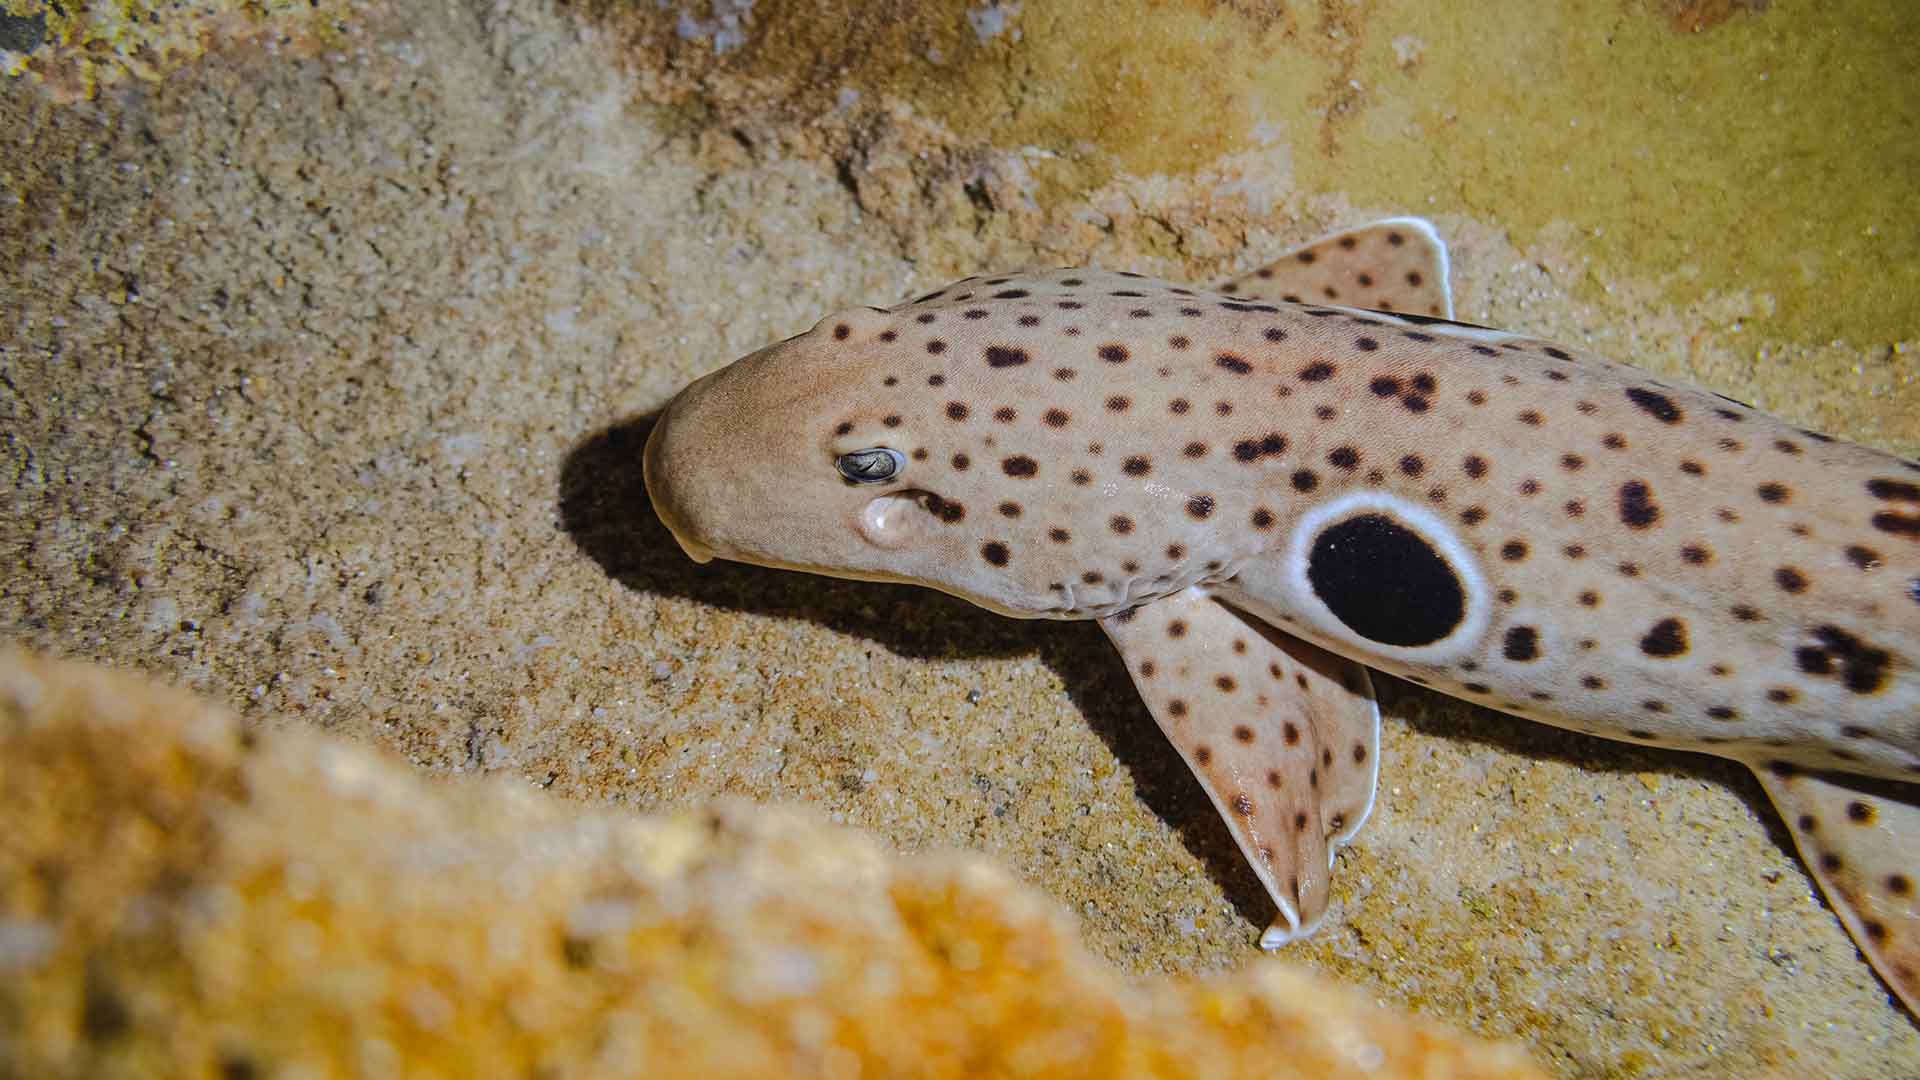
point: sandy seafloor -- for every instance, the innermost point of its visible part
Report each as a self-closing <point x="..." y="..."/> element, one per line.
<point x="323" y="370"/>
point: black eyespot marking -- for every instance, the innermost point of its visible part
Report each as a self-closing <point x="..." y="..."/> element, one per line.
<point x="995" y="552"/>
<point x="1120" y="523"/>
<point x="1262" y="519"/>
<point x="1344" y="457"/>
<point x="1637" y="508"/>
<point x="1232" y="363"/>
<point x="1305" y="480"/>
<point x="1365" y="344"/>
<point x="1020" y="465"/>
<point x="1384" y="386"/>
<point x="1385" y="582"/>
<point x="1657" y="405"/>
<point x="1002" y="356"/>
<point x="1666" y="640"/>
<point x="1474" y="466"/>
<point x="1137" y="466"/>
<point x="1522" y="644"/>
<point x="1319" y="371"/>
<point x="1114" y="354"/>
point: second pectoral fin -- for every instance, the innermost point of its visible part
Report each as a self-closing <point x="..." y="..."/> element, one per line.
<point x="1283" y="736"/>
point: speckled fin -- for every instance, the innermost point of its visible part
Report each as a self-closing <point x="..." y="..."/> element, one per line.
<point x="1399" y="264"/>
<point x="1861" y="838"/>
<point x="1283" y="736"/>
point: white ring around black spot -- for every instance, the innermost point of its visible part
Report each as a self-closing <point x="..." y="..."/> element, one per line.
<point x="1422" y="523"/>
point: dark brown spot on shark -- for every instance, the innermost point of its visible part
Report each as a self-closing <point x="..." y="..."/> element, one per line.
<point x="1864" y="558"/>
<point x="1522" y="644"/>
<point x="1667" y="639"/>
<point x="1637" y="508"/>
<point x="1655" y="404"/>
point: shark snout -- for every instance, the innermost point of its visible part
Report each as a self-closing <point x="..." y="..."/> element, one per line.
<point x="660" y="490"/>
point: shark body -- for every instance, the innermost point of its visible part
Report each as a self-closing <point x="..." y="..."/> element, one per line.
<point x="1263" y="490"/>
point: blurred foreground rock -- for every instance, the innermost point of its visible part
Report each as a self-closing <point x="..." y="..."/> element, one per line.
<point x="182" y="898"/>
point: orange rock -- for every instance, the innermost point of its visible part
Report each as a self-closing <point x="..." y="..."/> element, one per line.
<point x="184" y="898"/>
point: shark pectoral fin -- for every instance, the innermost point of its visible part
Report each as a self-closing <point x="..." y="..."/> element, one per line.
<point x="1283" y="737"/>
<point x="1861" y="838"/>
<point x="1399" y="264"/>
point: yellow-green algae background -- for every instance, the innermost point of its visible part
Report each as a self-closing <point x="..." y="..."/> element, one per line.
<point x="1773" y="150"/>
<point x="326" y="329"/>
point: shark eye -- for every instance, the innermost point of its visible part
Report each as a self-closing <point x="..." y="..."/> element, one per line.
<point x="875" y="466"/>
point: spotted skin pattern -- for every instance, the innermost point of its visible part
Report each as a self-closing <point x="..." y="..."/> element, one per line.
<point x="1517" y="523"/>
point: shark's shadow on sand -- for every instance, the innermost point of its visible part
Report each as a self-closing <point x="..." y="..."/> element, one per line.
<point x="605" y="510"/>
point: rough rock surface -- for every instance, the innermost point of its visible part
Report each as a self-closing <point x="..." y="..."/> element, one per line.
<point x="178" y="898"/>
<point x="321" y="373"/>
